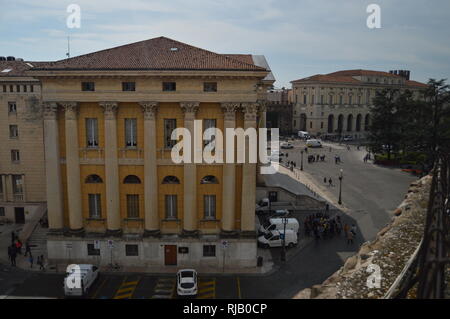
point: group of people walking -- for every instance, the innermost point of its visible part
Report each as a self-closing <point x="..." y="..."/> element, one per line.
<point x="316" y="158"/>
<point x="321" y="226"/>
<point x="15" y="249"/>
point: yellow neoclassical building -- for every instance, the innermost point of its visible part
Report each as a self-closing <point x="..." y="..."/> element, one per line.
<point x="113" y="191"/>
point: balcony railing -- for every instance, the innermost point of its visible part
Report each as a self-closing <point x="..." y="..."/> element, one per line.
<point x="18" y="197"/>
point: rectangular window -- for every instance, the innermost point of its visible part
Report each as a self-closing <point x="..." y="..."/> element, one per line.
<point x="131" y="250"/>
<point x="88" y="86"/>
<point x="169" y="86"/>
<point x="25" y="88"/>
<point x="210" y="124"/>
<point x="321" y="99"/>
<point x="321" y="124"/>
<point x="11" y="88"/>
<point x="4" y="88"/>
<point x="210" y="87"/>
<point x="341" y="99"/>
<point x="18" y="88"/>
<point x="92" y="251"/>
<point x="91" y="132"/>
<point x="312" y="99"/>
<point x="2" y="211"/>
<point x="330" y="100"/>
<point x="171" y="207"/>
<point x="13" y="131"/>
<point x="350" y="99"/>
<point x="169" y="126"/>
<point x="310" y="124"/>
<point x="128" y="86"/>
<point x="15" y="156"/>
<point x="368" y="96"/>
<point x="130" y="132"/>
<point x="12" y="107"/>
<point x="209" y="250"/>
<point x="304" y="99"/>
<point x="1" y="185"/>
<point x="359" y="99"/>
<point x="95" y="206"/>
<point x="132" y="206"/>
<point x="17" y="184"/>
<point x="31" y="88"/>
<point x="209" y="206"/>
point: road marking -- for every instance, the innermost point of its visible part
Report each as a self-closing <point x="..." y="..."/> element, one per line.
<point x="206" y="289"/>
<point x="239" y="288"/>
<point x="164" y="289"/>
<point x="94" y="296"/>
<point x="126" y="289"/>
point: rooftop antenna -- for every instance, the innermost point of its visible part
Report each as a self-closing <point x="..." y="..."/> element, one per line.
<point x="68" y="47"/>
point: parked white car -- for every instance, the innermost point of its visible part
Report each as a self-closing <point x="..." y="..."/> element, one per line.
<point x="187" y="282"/>
<point x="280" y="213"/>
<point x="274" y="239"/>
<point x="79" y="279"/>
<point x="278" y="224"/>
<point x="286" y="145"/>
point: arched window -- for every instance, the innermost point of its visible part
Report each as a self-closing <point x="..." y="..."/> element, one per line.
<point x="209" y="179"/>
<point x="358" y="122"/>
<point x="350" y="123"/>
<point x="93" y="179"/>
<point x="131" y="179"/>
<point x="330" y="123"/>
<point x="367" y="122"/>
<point x="340" y="127"/>
<point x="171" y="180"/>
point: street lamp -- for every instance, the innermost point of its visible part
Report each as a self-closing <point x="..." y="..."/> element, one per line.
<point x="301" y="166"/>
<point x="340" y="186"/>
<point x="283" y="250"/>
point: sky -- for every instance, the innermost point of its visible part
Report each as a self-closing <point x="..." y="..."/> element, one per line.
<point x="299" y="38"/>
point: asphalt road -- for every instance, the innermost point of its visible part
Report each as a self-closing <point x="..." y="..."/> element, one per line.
<point x="369" y="194"/>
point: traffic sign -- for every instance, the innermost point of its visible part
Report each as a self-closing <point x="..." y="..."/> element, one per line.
<point x="224" y="244"/>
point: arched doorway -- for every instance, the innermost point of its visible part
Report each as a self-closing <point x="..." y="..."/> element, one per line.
<point x="367" y="122"/>
<point x="340" y="127"/>
<point x="303" y="120"/>
<point x="358" y="122"/>
<point x="350" y="123"/>
<point x="330" y="123"/>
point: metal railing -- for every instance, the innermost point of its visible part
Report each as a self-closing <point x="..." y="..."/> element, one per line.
<point x="428" y="271"/>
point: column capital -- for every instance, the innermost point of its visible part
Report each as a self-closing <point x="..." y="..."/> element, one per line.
<point x="190" y="107"/>
<point x="229" y="110"/>
<point x="262" y="105"/>
<point x="149" y="108"/>
<point x="71" y="109"/>
<point x="50" y="110"/>
<point x="110" y="109"/>
<point x="250" y="109"/>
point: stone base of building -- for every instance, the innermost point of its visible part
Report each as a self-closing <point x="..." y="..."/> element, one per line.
<point x="164" y="252"/>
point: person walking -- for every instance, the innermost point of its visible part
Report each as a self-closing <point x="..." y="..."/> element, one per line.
<point x="9" y="252"/>
<point x="30" y="260"/>
<point x="13" y="255"/>
<point x="19" y="247"/>
<point x="324" y="180"/>
<point x="349" y="237"/>
<point x="41" y="265"/>
<point x="330" y="182"/>
<point x="27" y="249"/>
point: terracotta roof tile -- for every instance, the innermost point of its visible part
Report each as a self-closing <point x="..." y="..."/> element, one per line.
<point x="154" y="54"/>
<point x="16" y="68"/>
<point x="328" y="78"/>
<point x="361" y="72"/>
<point x="416" y="84"/>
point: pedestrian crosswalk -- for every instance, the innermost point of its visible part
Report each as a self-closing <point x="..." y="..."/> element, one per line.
<point x="206" y="289"/>
<point x="165" y="288"/>
<point x="126" y="289"/>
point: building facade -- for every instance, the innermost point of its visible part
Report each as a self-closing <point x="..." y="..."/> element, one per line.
<point x="114" y="193"/>
<point x="22" y="167"/>
<point x="338" y="104"/>
<point x="279" y="110"/>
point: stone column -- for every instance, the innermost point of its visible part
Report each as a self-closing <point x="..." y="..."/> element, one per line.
<point x="53" y="168"/>
<point x="73" y="167"/>
<point x="111" y="169"/>
<point x="248" y="176"/>
<point x="190" y="174"/>
<point x="5" y="188"/>
<point x="262" y="107"/>
<point x="229" y="173"/>
<point x="150" y="169"/>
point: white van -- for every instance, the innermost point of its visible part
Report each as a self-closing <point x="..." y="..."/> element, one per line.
<point x="313" y="143"/>
<point x="278" y="224"/>
<point x="79" y="279"/>
<point x="303" y="134"/>
<point x="274" y="239"/>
